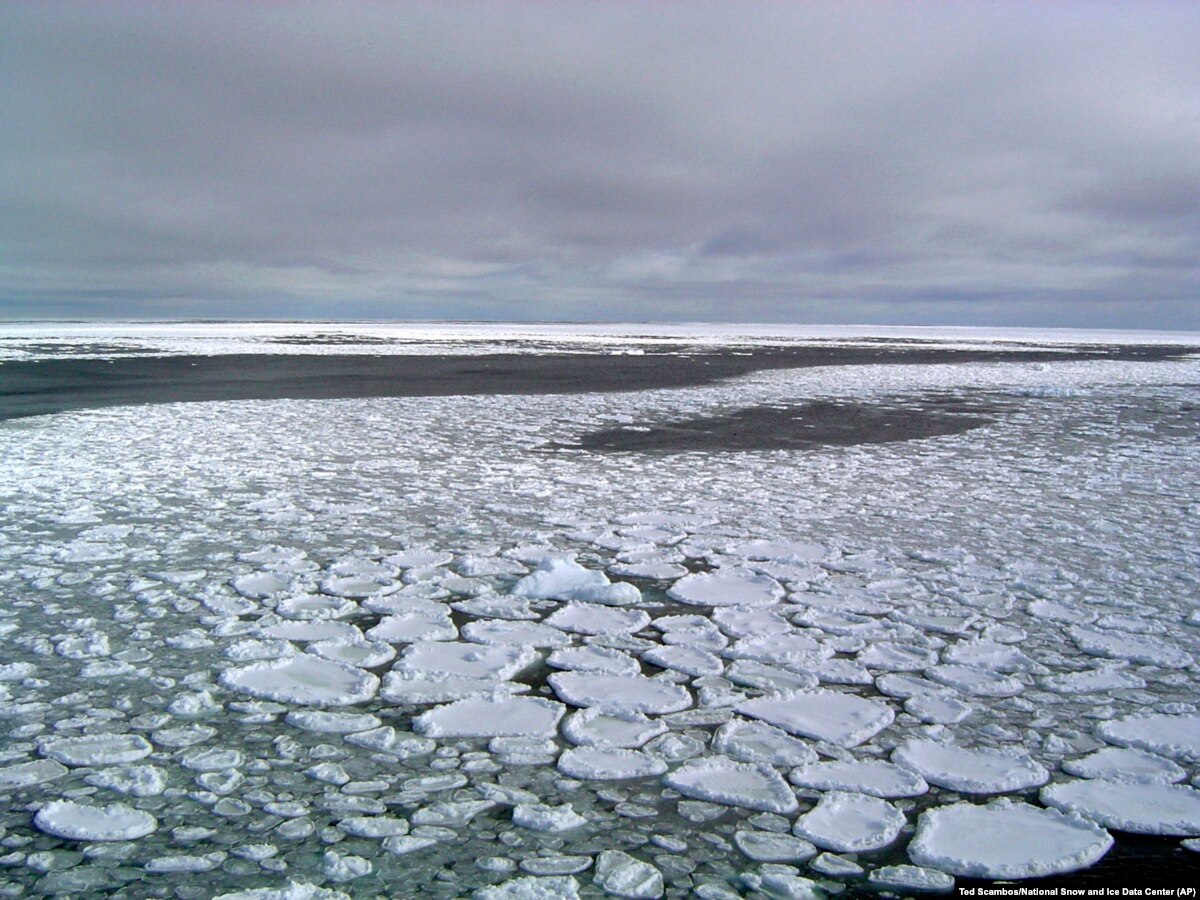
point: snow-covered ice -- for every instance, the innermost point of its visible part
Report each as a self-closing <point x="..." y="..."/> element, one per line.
<point x="1129" y="805"/>
<point x="721" y="780"/>
<point x="971" y="770"/>
<point x="840" y="718"/>
<point x="83" y="822"/>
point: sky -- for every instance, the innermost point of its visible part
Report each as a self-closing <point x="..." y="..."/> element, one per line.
<point x="981" y="163"/>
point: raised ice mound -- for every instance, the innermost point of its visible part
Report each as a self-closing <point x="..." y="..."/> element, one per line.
<point x="780" y="551"/>
<point x="95" y="749"/>
<point x="1129" y="806"/>
<point x="1166" y="735"/>
<point x="736" y="587"/>
<point x="842" y="719"/>
<point x="595" y="727"/>
<point x="564" y="579"/>
<point x="620" y="693"/>
<point x="1127" y="765"/>
<point x="78" y="822"/>
<point x="721" y="780"/>
<point x="1005" y="839"/>
<point x="971" y="771"/>
<point x="758" y="742"/>
<point x="609" y="764"/>
<point x="495" y="717"/>
<point x="305" y="680"/>
<point x="850" y="823"/>
<point x="866" y="776"/>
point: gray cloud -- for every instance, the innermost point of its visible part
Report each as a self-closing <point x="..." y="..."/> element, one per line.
<point x="1007" y="162"/>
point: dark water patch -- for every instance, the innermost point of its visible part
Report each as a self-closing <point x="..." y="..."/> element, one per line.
<point x="800" y="426"/>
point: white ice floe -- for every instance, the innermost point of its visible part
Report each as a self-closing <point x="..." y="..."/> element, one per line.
<point x="260" y="585"/>
<point x="978" y="771"/>
<point x="407" y="687"/>
<point x="770" y="846"/>
<point x="360" y="654"/>
<point x="323" y="722"/>
<point x="592" y="618"/>
<point x="595" y="727"/>
<point x="1005" y="839"/>
<point x="980" y="682"/>
<point x="620" y="875"/>
<point x="909" y="878"/>
<point x="1126" y="765"/>
<point x="466" y="660"/>
<point x="689" y="660"/>
<point x="1109" y="678"/>
<point x="772" y="679"/>
<point x="139" y="781"/>
<point x="609" y="764"/>
<point x="544" y="817"/>
<point x="850" y="823"/>
<point x="529" y="634"/>
<point x="780" y="551"/>
<point x="27" y="774"/>
<point x="412" y="627"/>
<point x="758" y="742"/>
<point x="620" y="693"/>
<point x="305" y="680"/>
<point x="95" y="749"/>
<point x="492" y="717"/>
<point x="936" y="709"/>
<point x="530" y="887"/>
<point x="722" y="780"/>
<point x="80" y="822"/>
<point x="842" y="719"/>
<point x="866" y="776"/>
<point x="987" y="654"/>
<point x="564" y="579"/>
<point x="1135" y="648"/>
<point x="1177" y="736"/>
<point x="313" y="630"/>
<point x="1129" y="806"/>
<point x="890" y="656"/>
<point x="734" y="587"/>
<point x="593" y="658"/>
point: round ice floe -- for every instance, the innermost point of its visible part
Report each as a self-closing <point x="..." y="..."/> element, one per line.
<point x="850" y="823"/>
<point x="594" y="727"/>
<point x="772" y="679"/>
<point x="1005" y="839"/>
<point x="530" y="634"/>
<point x="868" y="776"/>
<point x="783" y="648"/>
<point x="1109" y="678"/>
<point x="780" y="551"/>
<point x="733" y="587"/>
<point x="1130" y="806"/>
<point x="358" y="587"/>
<point x="971" y="771"/>
<point x="419" y="559"/>
<point x="746" y="622"/>
<point x="985" y="654"/>
<point x="980" y="682"/>
<point x="591" y="618"/>
<point x="620" y="693"/>
<point x="551" y="887"/>
<point x="78" y="822"/>
<point x="95" y="749"/>
<point x="403" y="629"/>
<point x="1122" y="645"/>
<point x="323" y="722"/>
<point x="1176" y="736"/>
<point x="609" y="764"/>
<point x="889" y="656"/>
<point x="140" y="781"/>
<point x="655" y="570"/>
<point x="758" y="742"/>
<point x="1061" y="612"/>
<point x="769" y="846"/>
<point x="689" y="660"/>
<point x="407" y="687"/>
<point x="938" y="710"/>
<point x="252" y="649"/>
<point x="721" y="780"/>
<point x="492" y="717"/>
<point x="591" y="658"/>
<point x="839" y="718"/>
<point x="259" y="585"/>
<point x="305" y="680"/>
<point x="319" y="630"/>
<point x="498" y="661"/>
<point x="360" y="654"/>
<point x="1126" y="765"/>
<point x="314" y="606"/>
<point x="564" y="579"/>
<point x="27" y="774"/>
<point x="909" y="878"/>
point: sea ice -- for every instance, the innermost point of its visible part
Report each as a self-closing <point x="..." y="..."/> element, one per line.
<point x="867" y="776"/>
<point x="909" y="878"/>
<point x="552" y="887"/>
<point x="839" y="718"/>
<point x="850" y="823"/>
<point x="361" y="655"/>
<point x="591" y="618"/>
<point x="1129" y="806"/>
<point x="1005" y="839"/>
<point x="1126" y="765"/>
<point x="1176" y="736"/>
<point x="466" y="660"/>
<point x="980" y="682"/>
<point x="621" y="875"/>
<point x="79" y="822"/>
<point x="721" y="780"/>
<point x="971" y="771"/>
<point x="758" y="742"/>
<point x="495" y="717"/>
<point x="592" y="658"/>
<point x="620" y="693"/>
<point x="609" y="764"/>
<point x="1122" y="645"/>
<point x="768" y="846"/>
<point x="409" y="628"/>
<point x="306" y="680"/>
<point x="95" y="749"/>
<point x="689" y="660"/>
<point x="543" y="817"/>
<point x="27" y="774"/>
<point x="529" y="634"/>
<point x="556" y="578"/>
<point x="595" y="727"/>
<point x="734" y="587"/>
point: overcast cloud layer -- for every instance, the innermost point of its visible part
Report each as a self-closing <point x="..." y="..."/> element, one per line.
<point x="1004" y="163"/>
